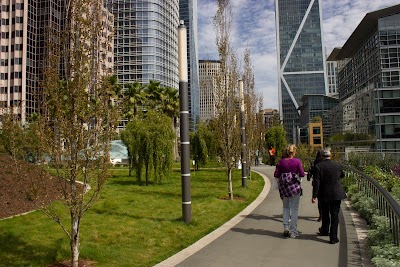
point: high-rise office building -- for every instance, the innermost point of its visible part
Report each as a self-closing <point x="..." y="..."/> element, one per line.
<point x="188" y="13"/>
<point x="26" y="27"/>
<point x="22" y="51"/>
<point x="331" y="72"/>
<point x="208" y="72"/>
<point x="369" y="79"/>
<point x="146" y="41"/>
<point x="301" y="63"/>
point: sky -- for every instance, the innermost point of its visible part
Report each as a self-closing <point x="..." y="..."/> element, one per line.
<point x="254" y="28"/>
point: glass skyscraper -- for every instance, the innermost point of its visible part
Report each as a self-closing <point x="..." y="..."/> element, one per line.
<point x="369" y="80"/>
<point x="301" y="63"/>
<point x="23" y="29"/>
<point x="188" y="13"/>
<point x="146" y="41"/>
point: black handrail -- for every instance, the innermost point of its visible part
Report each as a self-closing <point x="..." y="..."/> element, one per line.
<point x="385" y="203"/>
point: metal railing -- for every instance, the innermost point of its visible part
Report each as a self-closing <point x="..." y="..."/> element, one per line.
<point x="384" y="203"/>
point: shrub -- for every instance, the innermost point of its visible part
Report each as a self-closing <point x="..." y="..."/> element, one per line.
<point x="396" y="170"/>
<point x="365" y="206"/>
<point x="386" y="179"/>
<point x="382" y="251"/>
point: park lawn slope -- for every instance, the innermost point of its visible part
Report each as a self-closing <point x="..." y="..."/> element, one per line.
<point x="130" y="225"/>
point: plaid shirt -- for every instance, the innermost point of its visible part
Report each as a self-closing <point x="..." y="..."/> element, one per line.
<point x="289" y="185"/>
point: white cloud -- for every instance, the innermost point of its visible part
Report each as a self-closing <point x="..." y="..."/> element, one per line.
<point x="255" y="29"/>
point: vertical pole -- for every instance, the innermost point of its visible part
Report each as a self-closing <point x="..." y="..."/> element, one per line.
<point x="243" y="134"/>
<point x="184" y="123"/>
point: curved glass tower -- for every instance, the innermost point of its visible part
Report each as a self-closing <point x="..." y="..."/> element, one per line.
<point x="146" y="41"/>
<point x="188" y="13"/>
<point x="301" y="63"/>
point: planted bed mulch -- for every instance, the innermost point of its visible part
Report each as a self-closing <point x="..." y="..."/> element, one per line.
<point x="22" y="185"/>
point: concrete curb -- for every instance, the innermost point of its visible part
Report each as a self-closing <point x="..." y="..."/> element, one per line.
<point x="189" y="251"/>
<point x="361" y="230"/>
<point x="21" y="214"/>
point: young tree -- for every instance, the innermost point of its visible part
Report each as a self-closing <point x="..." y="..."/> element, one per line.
<point x="227" y="119"/>
<point x="252" y="100"/>
<point x="77" y="117"/>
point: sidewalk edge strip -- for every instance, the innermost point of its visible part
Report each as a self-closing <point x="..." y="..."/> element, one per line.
<point x="361" y="230"/>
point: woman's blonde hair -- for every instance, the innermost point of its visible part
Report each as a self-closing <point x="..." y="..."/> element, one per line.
<point x="290" y="150"/>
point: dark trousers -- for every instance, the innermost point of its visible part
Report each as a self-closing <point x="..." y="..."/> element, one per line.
<point x="330" y="217"/>
<point x="272" y="160"/>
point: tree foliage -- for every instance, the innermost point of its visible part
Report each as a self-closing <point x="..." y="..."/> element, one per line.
<point x="351" y="137"/>
<point x="150" y="142"/>
<point x="133" y="99"/>
<point x="138" y="99"/>
<point x="276" y="137"/>
<point x="19" y="140"/>
<point x="316" y="119"/>
<point x="203" y="144"/>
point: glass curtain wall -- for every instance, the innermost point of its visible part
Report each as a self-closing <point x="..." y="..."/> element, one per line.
<point x="301" y="63"/>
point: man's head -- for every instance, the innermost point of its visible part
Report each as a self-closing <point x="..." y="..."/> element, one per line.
<point x="326" y="153"/>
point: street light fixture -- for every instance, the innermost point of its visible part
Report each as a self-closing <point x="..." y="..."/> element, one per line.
<point x="184" y="123"/>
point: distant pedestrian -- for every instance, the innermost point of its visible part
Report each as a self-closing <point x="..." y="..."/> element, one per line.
<point x="257" y="159"/>
<point x="311" y="174"/>
<point x="271" y="152"/>
<point x="289" y="171"/>
<point x="330" y="192"/>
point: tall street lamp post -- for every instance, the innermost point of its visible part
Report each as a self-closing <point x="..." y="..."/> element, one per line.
<point x="184" y="123"/>
<point x="243" y="134"/>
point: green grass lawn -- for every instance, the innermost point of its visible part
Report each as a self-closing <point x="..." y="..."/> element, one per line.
<point x="130" y="225"/>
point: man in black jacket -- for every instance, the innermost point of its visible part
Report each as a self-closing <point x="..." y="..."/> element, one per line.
<point x="330" y="192"/>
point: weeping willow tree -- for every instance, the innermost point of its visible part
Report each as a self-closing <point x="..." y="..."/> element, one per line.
<point x="149" y="141"/>
<point x="226" y="91"/>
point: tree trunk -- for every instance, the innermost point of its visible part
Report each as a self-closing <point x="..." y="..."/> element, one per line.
<point x="147" y="174"/>
<point x="74" y="242"/>
<point x="230" y="184"/>
<point x="249" y="166"/>
<point x="175" y="139"/>
<point x="129" y="165"/>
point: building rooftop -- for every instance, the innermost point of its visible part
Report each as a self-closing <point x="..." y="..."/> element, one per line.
<point x="305" y="97"/>
<point x="334" y="53"/>
<point x="355" y="40"/>
<point x="209" y="61"/>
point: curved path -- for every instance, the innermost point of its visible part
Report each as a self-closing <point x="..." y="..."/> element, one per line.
<point x="254" y="237"/>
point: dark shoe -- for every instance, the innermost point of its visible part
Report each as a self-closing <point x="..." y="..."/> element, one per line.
<point x="322" y="233"/>
<point x="334" y="241"/>
<point x="286" y="233"/>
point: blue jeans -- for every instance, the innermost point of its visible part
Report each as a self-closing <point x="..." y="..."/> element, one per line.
<point x="290" y="213"/>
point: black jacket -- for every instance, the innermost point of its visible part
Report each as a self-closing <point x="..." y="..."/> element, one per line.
<point x="327" y="184"/>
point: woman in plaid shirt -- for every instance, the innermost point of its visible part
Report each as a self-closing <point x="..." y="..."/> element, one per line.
<point x="289" y="171"/>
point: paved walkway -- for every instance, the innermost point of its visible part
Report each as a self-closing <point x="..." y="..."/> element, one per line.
<point x="254" y="237"/>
